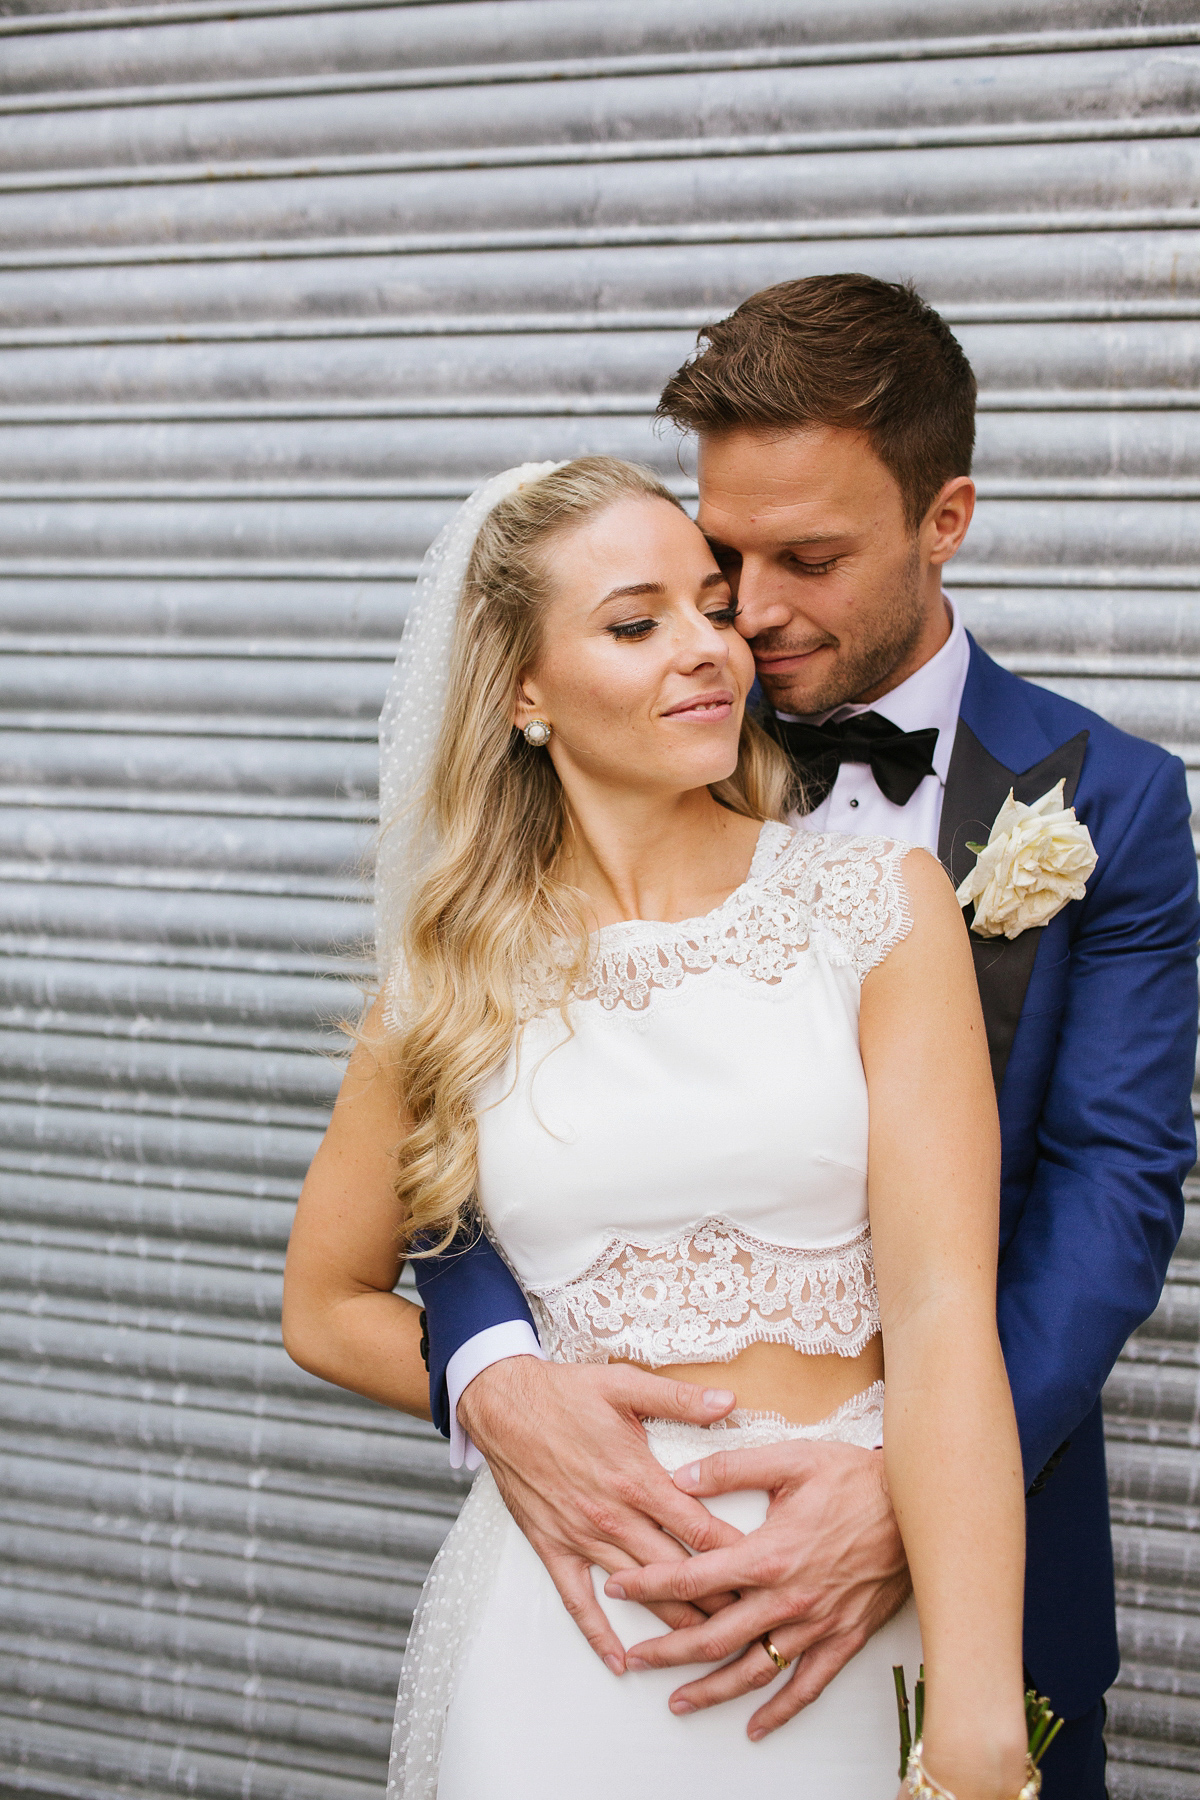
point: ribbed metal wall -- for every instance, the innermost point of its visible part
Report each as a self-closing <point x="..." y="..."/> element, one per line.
<point x="277" y="285"/>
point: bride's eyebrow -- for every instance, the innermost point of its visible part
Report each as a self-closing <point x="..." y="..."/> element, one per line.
<point x="625" y="593"/>
<point x="714" y="579"/>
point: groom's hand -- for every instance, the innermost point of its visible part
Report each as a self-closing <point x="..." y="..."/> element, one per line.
<point x="568" y="1450"/>
<point x="823" y="1572"/>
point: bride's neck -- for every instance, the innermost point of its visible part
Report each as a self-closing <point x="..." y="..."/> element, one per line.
<point x="634" y="857"/>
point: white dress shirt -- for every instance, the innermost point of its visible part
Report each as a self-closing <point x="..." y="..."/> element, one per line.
<point x="854" y="804"/>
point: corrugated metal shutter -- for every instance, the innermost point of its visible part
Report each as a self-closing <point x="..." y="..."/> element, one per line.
<point x="277" y="285"/>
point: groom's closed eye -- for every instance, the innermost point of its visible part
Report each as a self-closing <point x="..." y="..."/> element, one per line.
<point x="803" y="566"/>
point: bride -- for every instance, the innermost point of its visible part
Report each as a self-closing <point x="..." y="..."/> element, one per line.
<point x="718" y="1090"/>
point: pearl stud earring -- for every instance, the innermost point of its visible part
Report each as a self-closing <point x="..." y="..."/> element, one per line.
<point x="537" y="733"/>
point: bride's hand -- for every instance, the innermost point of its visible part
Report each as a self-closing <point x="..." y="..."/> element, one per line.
<point x="823" y="1572"/>
<point x="568" y="1451"/>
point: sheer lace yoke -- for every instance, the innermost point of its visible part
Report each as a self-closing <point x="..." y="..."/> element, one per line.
<point x="844" y="893"/>
<point x="706" y="1294"/>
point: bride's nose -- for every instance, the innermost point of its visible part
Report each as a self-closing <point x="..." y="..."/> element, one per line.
<point x="703" y="646"/>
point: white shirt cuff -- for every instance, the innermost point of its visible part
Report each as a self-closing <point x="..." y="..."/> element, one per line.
<point x="516" y="1337"/>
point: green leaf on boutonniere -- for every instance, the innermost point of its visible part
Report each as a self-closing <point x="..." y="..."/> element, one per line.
<point x="1042" y="1725"/>
<point x="907" y="1734"/>
<point x="977" y="848"/>
<point x="902" y="1710"/>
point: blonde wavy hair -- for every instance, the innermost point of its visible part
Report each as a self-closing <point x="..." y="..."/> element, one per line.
<point x="490" y="904"/>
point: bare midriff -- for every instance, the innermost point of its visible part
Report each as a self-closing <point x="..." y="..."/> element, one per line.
<point x="774" y="1378"/>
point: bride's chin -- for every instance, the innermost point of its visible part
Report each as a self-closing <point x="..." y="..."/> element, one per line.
<point x="675" y="784"/>
<point x="704" y="772"/>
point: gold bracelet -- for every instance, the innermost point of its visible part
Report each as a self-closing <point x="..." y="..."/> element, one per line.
<point x="922" y="1786"/>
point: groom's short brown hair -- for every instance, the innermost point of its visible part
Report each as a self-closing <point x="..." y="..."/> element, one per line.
<point x="843" y="350"/>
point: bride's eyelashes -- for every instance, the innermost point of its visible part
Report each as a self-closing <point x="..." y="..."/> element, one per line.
<point x="633" y="631"/>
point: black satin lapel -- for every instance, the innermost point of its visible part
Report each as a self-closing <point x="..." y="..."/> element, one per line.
<point x="1063" y="764"/>
<point x="976" y="788"/>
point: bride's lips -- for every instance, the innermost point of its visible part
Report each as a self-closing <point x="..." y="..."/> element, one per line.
<point x="709" y="709"/>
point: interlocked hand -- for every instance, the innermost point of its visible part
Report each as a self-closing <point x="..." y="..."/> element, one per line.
<point x="568" y="1451"/>
<point x="823" y="1572"/>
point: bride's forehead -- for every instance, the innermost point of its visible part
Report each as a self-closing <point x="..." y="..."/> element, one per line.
<point x="621" y="543"/>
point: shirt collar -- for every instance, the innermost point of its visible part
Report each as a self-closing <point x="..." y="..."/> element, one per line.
<point x="932" y="695"/>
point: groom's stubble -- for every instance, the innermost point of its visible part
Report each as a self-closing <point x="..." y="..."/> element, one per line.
<point x="864" y="671"/>
<point x="839" y="592"/>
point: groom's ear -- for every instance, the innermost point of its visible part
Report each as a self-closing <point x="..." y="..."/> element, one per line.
<point x="945" y="524"/>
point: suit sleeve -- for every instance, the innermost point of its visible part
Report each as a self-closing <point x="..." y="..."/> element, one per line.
<point x="465" y="1291"/>
<point x="1115" y="1137"/>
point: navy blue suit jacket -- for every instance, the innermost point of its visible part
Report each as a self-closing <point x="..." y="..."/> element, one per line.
<point x="1092" y="1031"/>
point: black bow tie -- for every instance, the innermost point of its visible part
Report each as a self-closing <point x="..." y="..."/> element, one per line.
<point x="900" y="760"/>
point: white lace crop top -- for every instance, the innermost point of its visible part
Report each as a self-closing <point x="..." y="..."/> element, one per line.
<point x="684" y="1172"/>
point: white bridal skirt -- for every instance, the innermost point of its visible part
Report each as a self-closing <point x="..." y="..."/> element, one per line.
<point x="502" y="1699"/>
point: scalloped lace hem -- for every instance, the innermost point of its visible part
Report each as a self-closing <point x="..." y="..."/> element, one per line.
<point x="857" y="1421"/>
<point x="706" y="1295"/>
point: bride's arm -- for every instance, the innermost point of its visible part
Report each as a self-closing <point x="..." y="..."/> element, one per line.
<point x="951" y="1451"/>
<point x="341" y="1320"/>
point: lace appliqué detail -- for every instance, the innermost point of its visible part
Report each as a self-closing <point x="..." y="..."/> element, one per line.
<point x="856" y="892"/>
<point x="858" y="1421"/>
<point x="846" y="892"/>
<point x="703" y="1296"/>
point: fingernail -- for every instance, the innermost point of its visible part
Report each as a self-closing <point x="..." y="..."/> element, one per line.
<point x="718" y="1399"/>
<point x="689" y="1477"/>
<point x="613" y="1665"/>
<point x="679" y="1707"/>
<point x="615" y="1591"/>
<point x="635" y="1662"/>
<point x="756" y="1737"/>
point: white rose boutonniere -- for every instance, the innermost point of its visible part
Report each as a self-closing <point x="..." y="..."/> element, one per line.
<point x="1037" y="859"/>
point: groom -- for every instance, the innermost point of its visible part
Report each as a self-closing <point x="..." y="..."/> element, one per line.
<point x="835" y="419"/>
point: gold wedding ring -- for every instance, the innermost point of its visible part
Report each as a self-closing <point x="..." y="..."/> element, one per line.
<point x="781" y="1662"/>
